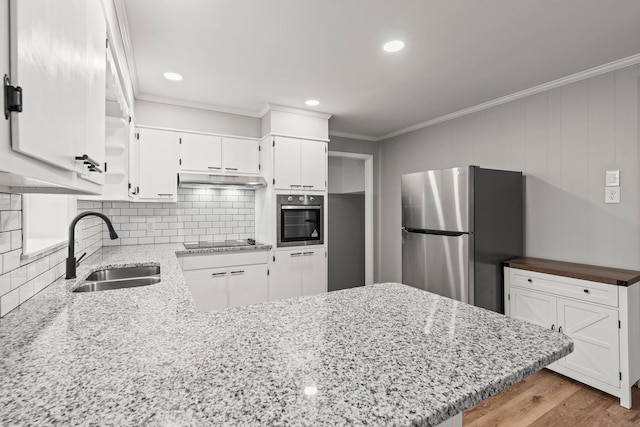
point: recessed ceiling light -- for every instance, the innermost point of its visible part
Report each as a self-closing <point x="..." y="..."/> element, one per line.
<point x="393" y="46"/>
<point x="312" y="102"/>
<point x="173" y="76"/>
<point x="310" y="390"/>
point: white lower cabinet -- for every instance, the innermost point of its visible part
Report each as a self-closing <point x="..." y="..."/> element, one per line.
<point x="601" y="319"/>
<point x="219" y="281"/>
<point x="298" y="272"/>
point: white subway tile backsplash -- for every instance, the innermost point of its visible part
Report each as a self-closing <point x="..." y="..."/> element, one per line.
<point x="10" y="220"/>
<point x="9" y="301"/>
<point x="5" y="242"/>
<point x="11" y="260"/>
<point x="16" y="239"/>
<point x="26" y="291"/>
<point x="5" y="284"/>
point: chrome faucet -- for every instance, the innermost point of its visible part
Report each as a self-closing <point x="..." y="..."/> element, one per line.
<point x="71" y="259"/>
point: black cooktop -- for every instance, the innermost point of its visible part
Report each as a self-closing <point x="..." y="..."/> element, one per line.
<point x="219" y="244"/>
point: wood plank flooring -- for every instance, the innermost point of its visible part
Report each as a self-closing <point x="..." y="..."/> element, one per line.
<point x="547" y="399"/>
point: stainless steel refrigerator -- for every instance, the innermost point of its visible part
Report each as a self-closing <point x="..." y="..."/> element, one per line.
<point x="458" y="226"/>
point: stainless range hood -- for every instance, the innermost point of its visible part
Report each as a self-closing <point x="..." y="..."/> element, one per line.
<point x="196" y="180"/>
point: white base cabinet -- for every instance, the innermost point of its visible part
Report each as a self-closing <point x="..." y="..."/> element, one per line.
<point x="298" y="272"/>
<point x="219" y="281"/>
<point x="601" y="319"/>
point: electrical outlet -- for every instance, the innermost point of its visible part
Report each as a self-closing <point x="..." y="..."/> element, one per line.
<point x="151" y="226"/>
<point x="612" y="195"/>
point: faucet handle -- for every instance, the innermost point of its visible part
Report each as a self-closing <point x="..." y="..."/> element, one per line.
<point x="80" y="259"/>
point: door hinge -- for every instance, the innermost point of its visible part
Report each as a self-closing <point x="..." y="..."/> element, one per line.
<point x="267" y="271"/>
<point x="619" y="324"/>
<point x="129" y="187"/>
<point x="129" y="119"/>
<point x="508" y="297"/>
<point x="105" y="167"/>
<point x="274" y="258"/>
<point x="259" y="147"/>
<point x="107" y="44"/>
<point x="180" y="162"/>
<point x="12" y="98"/>
<point x="180" y="141"/>
<point x="137" y="135"/>
<point x="259" y="166"/>
<point x="274" y="143"/>
<point x="274" y="181"/>
<point x="620" y="376"/>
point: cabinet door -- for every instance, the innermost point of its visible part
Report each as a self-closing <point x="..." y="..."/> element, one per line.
<point x="594" y="331"/>
<point x="533" y="307"/>
<point x="95" y="110"/>
<point x="314" y="272"/>
<point x="284" y="281"/>
<point x="208" y="288"/>
<point x="313" y="161"/>
<point x="200" y="153"/>
<point x="287" y="163"/>
<point x="158" y="164"/>
<point x="55" y="48"/>
<point x="240" y="155"/>
<point x="248" y="284"/>
<point x="134" y="161"/>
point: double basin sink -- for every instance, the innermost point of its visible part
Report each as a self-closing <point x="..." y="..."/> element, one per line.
<point x="120" y="278"/>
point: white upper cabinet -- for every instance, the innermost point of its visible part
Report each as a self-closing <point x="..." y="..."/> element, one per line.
<point x="215" y="154"/>
<point x="241" y="155"/>
<point x="58" y="52"/>
<point x="200" y="153"/>
<point x="300" y="164"/>
<point x="158" y="179"/>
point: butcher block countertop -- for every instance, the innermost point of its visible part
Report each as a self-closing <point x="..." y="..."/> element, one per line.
<point x="611" y="276"/>
<point x="378" y="355"/>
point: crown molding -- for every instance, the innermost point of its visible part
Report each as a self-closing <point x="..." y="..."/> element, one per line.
<point x="293" y="110"/>
<point x="353" y="136"/>
<point x="593" y="72"/>
<point x="198" y="105"/>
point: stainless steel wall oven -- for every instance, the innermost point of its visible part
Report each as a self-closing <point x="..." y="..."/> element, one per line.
<point x="300" y="220"/>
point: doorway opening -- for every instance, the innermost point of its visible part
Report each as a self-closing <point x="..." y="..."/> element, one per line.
<point x="350" y="217"/>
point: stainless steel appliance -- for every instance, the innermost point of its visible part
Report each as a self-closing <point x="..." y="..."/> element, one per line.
<point x="458" y="226"/>
<point x="300" y="220"/>
<point x="219" y="244"/>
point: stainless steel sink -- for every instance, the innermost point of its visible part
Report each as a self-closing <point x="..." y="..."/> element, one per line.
<point x="123" y="273"/>
<point x="120" y="278"/>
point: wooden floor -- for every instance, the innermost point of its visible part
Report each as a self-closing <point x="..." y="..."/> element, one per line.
<point x="549" y="399"/>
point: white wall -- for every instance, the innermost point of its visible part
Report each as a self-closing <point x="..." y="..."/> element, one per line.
<point x="345" y="175"/>
<point x="194" y="119"/>
<point x="563" y="140"/>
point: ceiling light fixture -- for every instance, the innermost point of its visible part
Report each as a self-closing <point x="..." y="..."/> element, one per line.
<point x="393" y="46"/>
<point x="312" y="102"/>
<point x="173" y="76"/>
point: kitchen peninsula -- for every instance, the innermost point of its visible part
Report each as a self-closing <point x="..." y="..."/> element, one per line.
<point x="385" y="354"/>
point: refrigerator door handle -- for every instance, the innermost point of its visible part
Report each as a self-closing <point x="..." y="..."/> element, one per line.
<point x="435" y="232"/>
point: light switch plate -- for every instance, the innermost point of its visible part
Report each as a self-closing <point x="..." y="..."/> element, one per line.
<point x="612" y="178"/>
<point x="612" y="195"/>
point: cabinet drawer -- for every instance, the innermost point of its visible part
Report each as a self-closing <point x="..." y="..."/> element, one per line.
<point x="582" y="290"/>
<point x="228" y="259"/>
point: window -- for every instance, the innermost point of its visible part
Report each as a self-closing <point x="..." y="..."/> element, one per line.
<point x="46" y="219"/>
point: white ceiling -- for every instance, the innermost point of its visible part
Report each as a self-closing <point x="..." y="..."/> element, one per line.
<point x="237" y="56"/>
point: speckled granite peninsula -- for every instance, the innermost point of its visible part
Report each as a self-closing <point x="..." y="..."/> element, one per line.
<point x="385" y="354"/>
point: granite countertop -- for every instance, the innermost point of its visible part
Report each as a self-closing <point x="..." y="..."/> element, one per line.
<point x="385" y="354"/>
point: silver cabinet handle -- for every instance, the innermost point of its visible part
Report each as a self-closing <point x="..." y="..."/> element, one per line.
<point x="553" y="327"/>
<point x="213" y="167"/>
<point x="295" y="186"/>
<point x="238" y="272"/>
<point x="165" y="194"/>
<point x="296" y="254"/>
<point x="307" y="186"/>
<point x="92" y="165"/>
<point x="231" y="169"/>
<point x="308" y="253"/>
<point x="218" y="274"/>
